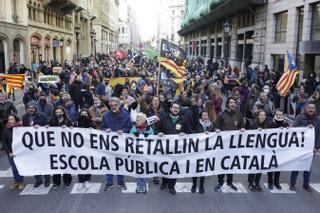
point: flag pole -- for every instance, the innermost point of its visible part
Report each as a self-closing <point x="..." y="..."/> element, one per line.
<point x="158" y="78"/>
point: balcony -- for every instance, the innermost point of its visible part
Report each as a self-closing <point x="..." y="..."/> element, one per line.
<point x="65" y="6"/>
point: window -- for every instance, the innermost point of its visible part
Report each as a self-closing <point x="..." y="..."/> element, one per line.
<point x="281" y="27"/>
<point x="278" y="63"/>
<point x="197" y="50"/>
<point x="246" y="19"/>
<point x="203" y="50"/>
<point x="315" y="29"/>
<point x="34" y="14"/>
<point x="219" y="49"/>
<point x="212" y="41"/>
<point x="30" y="13"/>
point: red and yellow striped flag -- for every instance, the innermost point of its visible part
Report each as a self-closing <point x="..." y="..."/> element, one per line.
<point x="13" y="81"/>
<point x="287" y="79"/>
<point x="179" y="71"/>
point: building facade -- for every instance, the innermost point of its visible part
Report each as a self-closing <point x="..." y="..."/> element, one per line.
<point x="50" y="30"/>
<point x="113" y="25"/>
<point x="294" y="25"/>
<point x="176" y="11"/>
<point x="104" y="25"/>
<point x="231" y="32"/>
<point x="170" y="15"/>
<point x="124" y="30"/>
<point x="84" y="33"/>
<point x="13" y="33"/>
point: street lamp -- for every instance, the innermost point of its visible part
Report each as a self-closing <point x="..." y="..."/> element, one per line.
<point x="227" y="29"/>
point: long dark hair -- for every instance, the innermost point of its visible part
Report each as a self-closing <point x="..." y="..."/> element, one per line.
<point x="65" y="115"/>
<point x="5" y="121"/>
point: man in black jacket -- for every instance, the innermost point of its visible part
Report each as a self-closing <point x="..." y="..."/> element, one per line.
<point x="35" y="118"/>
<point x="229" y="119"/>
<point x="307" y="118"/>
<point x="76" y="91"/>
<point x="173" y="124"/>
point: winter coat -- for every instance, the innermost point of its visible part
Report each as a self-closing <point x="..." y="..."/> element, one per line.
<point x="200" y="128"/>
<point x="75" y="91"/>
<point x="38" y="119"/>
<point x="97" y="113"/>
<point x="47" y="109"/>
<point x="7" y="140"/>
<point x="147" y="131"/>
<point x="66" y="122"/>
<point x="6" y="108"/>
<point x="303" y="120"/>
<point x="115" y="122"/>
<point x="71" y="112"/>
<point x="229" y="120"/>
<point x="167" y="127"/>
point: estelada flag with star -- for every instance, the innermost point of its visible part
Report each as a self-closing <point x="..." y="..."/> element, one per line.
<point x="173" y="58"/>
<point x="287" y="79"/>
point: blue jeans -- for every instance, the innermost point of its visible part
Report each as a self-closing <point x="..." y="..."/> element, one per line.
<point x="110" y="179"/>
<point x="142" y="182"/>
<point x="16" y="176"/>
<point x="294" y="176"/>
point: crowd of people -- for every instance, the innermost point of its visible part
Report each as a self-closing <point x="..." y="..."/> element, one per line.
<point x="84" y="97"/>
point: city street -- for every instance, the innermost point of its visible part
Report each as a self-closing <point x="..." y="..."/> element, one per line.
<point x="69" y="200"/>
<point x="168" y="88"/>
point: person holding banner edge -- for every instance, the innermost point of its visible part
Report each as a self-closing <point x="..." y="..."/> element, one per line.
<point x="259" y="123"/>
<point x="35" y="118"/>
<point x="61" y="119"/>
<point x="117" y="120"/>
<point x="204" y="125"/>
<point x="307" y="118"/>
<point x="278" y="122"/>
<point x="11" y="122"/>
<point x="173" y="124"/>
<point x="84" y="121"/>
<point x="141" y="128"/>
<point x="229" y="119"/>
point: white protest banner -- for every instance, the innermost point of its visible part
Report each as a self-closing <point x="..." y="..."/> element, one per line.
<point x="57" y="150"/>
<point x="48" y="79"/>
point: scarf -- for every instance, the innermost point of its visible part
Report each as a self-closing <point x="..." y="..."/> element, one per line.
<point x="205" y="124"/>
<point x="15" y="125"/>
<point x="142" y="127"/>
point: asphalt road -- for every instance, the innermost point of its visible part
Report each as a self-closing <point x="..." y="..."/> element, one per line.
<point x="70" y="200"/>
<point x="63" y="199"/>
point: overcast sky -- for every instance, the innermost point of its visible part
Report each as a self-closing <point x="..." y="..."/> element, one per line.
<point x="146" y="11"/>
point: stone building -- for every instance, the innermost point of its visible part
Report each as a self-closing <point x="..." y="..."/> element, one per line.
<point x="106" y="25"/>
<point x="294" y="25"/>
<point x="84" y="33"/>
<point x="232" y="32"/>
<point x="50" y="30"/>
<point x="13" y="33"/>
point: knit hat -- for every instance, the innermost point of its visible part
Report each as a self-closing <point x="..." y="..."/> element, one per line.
<point x="32" y="103"/>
